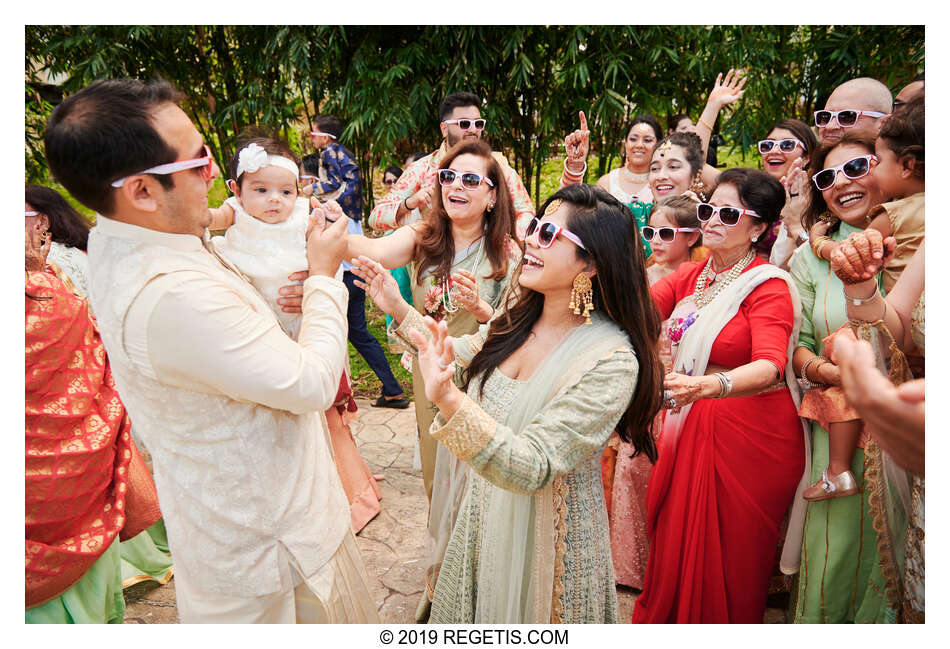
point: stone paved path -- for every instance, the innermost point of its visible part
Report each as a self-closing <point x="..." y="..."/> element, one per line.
<point x="392" y="544"/>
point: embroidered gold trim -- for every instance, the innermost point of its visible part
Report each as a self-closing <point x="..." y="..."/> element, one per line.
<point x="874" y="478"/>
<point x="874" y="473"/>
<point x="560" y="548"/>
<point x="412" y="322"/>
<point x="467" y="432"/>
<point x="475" y="342"/>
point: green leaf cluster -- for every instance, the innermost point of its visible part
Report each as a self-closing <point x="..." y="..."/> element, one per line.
<point x="386" y="82"/>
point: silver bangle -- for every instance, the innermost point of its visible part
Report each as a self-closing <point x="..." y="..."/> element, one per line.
<point x="575" y="174"/>
<point x="725" y="384"/>
<point x="861" y="300"/>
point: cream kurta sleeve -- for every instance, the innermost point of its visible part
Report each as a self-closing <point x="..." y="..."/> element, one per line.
<point x="571" y="427"/>
<point x="233" y="350"/>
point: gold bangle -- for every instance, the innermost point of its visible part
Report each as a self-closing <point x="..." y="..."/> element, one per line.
<point x="808" y="362"/>
<point x="818" y="245"/>
<point x="705" y="123"/>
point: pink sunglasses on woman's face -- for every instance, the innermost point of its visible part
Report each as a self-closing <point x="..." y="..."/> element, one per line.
<point x="548" y="231"/>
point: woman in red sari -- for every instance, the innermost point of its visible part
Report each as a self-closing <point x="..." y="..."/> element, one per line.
<point x="86" y="484"/>
<point x="732" y="450"/>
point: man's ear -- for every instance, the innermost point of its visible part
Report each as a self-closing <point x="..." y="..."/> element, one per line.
<point x="445" y="129"/>
<point x="141" y="193"/>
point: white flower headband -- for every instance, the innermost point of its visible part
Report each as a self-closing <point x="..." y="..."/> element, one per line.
<point x="253" y="157"/>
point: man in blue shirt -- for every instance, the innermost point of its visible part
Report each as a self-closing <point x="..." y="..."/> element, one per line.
<point x="336" y="176"/>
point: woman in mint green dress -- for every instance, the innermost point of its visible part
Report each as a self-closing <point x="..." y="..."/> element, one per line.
<point x="840" y="576"/>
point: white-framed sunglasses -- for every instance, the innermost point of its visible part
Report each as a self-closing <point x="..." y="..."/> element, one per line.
<point x="852" y="169"/>
<point x="666" y="234"/>
<point x="845" y="118"/>
<point x="470" y="180"/>
<point x="786" y="145"/>
<point x="466" y="124"/>
<point x="29" y="213"/>
<point x="728" y="215"/>
<point x="173" y="167"/>
<point x="548" y="231"/>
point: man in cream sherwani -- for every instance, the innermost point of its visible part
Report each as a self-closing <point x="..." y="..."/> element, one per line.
<point x="229" y="406"/>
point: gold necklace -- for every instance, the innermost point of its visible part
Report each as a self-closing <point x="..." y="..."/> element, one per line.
<point x="700" y="296"/>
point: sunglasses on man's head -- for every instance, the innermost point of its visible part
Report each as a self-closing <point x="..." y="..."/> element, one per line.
<point x="466" y="124"/>
<point x="852" y="169"/>
<point x="204" y="162"/>
<point x="845" y="118"/>
<point x="548" y="231"/>
<point x="666" y="234"/>
<point x="470" y="180"/>
<point x="786" y="145"/>
<point x="728" y="215"/>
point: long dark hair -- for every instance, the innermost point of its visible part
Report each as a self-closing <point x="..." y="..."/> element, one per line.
<point x="817" y="206"/>
<point x="608" y="230"/>
<point x="436" y="245"/>
<point x="66" y="225"/>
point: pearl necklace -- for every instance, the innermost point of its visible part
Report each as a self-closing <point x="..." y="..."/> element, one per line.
<point x="635" y="178"/>
<point x="700" y="296"/>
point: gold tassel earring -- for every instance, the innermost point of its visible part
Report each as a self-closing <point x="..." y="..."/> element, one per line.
<point x="582" y="293"/>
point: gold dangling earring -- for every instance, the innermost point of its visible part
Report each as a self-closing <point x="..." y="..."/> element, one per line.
<point x="582" y="292"/>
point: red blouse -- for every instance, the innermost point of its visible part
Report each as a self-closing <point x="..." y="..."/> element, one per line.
<point x="758" y="331"/>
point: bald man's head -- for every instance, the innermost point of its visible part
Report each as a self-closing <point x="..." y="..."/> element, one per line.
<point x="863" y="94"/>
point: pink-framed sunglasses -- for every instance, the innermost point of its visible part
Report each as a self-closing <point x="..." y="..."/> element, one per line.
<point x="548" y="231"/>
<point x="173" y="167"/>
<point x="665" y="234"/>
<point x="728" y="214"/>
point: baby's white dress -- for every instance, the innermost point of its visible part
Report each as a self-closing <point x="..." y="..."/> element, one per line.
<point x="267" y="253"/>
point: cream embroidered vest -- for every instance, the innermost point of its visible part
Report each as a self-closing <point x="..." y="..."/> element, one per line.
<point x="234" y="478"/>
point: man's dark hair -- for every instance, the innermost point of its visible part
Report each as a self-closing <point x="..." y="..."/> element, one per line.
<point x="330" y="124"/>
<point x="456" y="100"/>
<point x="105" y="132"/>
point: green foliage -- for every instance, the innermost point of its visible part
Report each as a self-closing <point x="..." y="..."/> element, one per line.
<point x="386" y="82"/>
